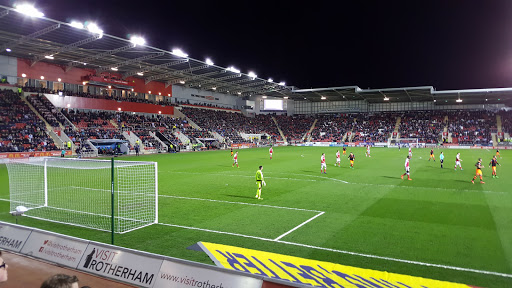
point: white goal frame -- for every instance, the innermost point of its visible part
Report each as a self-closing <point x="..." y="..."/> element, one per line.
<point x="30" y="178"/>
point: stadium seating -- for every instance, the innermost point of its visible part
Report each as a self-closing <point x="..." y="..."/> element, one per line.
<point x="427" y="126"/>
<point x="20" y="129"/>
<point x="471" y="127"/>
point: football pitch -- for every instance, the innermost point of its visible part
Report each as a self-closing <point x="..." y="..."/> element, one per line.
<point x="439" y="225"/>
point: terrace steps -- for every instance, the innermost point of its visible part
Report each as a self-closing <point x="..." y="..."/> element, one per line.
<point x="499" y="124"/>
<point x="279" y="129"/>
<point x="114" y="123"/>
<point x="308" y="136"/>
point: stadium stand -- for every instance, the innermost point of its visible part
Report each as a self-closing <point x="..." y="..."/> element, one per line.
<point x="21" y="130"/>
<point x="295" y="127"/>
<point x="427" y="126"/>
<point x="332" y="127"/>
<point x="471" y="127"/>
<point x="375" y="127"/>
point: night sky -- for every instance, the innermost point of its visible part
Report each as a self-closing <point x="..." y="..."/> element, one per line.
<point x="450" y="44"/>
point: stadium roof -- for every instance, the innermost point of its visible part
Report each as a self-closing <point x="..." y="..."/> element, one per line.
<point x="52" y="41"/>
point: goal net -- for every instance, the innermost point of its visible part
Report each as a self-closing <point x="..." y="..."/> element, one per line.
<point x="79" y="192"/>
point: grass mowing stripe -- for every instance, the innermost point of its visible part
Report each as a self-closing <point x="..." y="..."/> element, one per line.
<point x="349" y="252"/>
<point x="300" y="225"/>
<point x="240" y="203"/>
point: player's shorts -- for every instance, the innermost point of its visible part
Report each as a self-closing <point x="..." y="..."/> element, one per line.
<point x="457" y="163"/>
<point x="478" y="172"/>
<point x="270" y="154"/>
<point x="235" y="161"/>
<point x="259" y="183"/>
<point x="407" y="169"/>
<point x="494" y="169"/>
<point x="497" y="153"/>
<point x="431" y="155"/>
<point x="410" y="154"/>
<point x="442" y="160"/>
<point x="323" y="166"/>
<point x="351" y="162"/>
<point x="338" y="160"/>
<point x="231" y="153"/>
<point x="344" y="152"/>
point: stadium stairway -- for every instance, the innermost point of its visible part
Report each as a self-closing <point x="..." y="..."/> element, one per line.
<point x="132" y="138"/>
<point x="114" y="123"/>
<point x="344" y="137"/>
<point x="153" y="134"/>
<point x="182" y="137"/>
<point x="218" y="136"/>
<point x="279" y="129"/>
<point x="49" y="129"/>
<point x="308" y="135"/>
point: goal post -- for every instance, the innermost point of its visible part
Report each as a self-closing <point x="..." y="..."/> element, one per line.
<point x="410" y="142"/>
<point x="79" y="192"/>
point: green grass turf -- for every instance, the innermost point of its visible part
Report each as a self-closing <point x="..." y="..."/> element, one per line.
<point x="439" y="217"/>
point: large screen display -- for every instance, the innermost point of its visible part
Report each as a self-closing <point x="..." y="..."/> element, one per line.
<point x="271" y="104"/>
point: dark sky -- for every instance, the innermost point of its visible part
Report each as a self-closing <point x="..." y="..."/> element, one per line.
<point x="449" y="44"/>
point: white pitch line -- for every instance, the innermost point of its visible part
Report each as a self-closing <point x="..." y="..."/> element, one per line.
<point x="297" y="227"/>
<point x="218" y="232"/>
<point x="350" y="253"/>
<point x="242" y="203"/>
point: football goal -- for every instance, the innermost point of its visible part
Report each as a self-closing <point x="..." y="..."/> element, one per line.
<point x="87" y="193"/>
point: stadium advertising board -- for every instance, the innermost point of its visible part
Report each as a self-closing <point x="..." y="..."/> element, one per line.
<point x="120" y="265"/>
<point x="311" y="272"/>
<point x="32" y="154"/>
<point x="13" y="238"/>
<point x="54" y="248"/>
<point x="176" y="275"/>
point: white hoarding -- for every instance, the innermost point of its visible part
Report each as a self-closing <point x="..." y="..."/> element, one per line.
<point x="176" y="275"/>
<point x="13" y="238"/>
<point x="120" y="265"/>
<point x="55" y="248"/>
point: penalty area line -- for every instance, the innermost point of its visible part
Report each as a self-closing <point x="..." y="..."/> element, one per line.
<point x="349" y="252"/>
<point x="300" y="225"/>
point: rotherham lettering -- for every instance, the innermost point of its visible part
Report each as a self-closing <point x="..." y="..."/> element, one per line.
<point x="10" y="243"/>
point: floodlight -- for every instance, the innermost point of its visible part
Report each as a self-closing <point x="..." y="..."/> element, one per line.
<point x="28" y="10"/>
<point x="160" y="93"/>
<point x="209" y="61"/>
<point x="159" y="112"/>
<point x="149" y="92"/>
<point x="109" y="87"/>
<point x="239" y="93"/>
<point x="458" y="100"/>
<point x="282" y="83"/>
<point x="69" y="105"/>
<point x="114" y="69"/>
<point x="23" y="75"/>
<point x="182" y="82"/>
<point x="169" y="94"/>
<point x="264" y="97"/>
<point x="233" y="69"/>
<point x="8" y="49"/>
<point x="435" y="100"/>
<point x="270" y="80"/>
<point x="118" y="109"/>
<point x="133" y="89"/>
<point x="285" y="97"/>
<point x="60" y="94"/>
<point x="83" y="83"/>
<point x="214" y="88"/>
<point x="42" y="77"/>
<point x="323" y="97"/>
<point x="137" y="40"/>
<point x="386" y="98"/>
<point x="93" y="28"/>
<point x="252" y="75"/>
<point x="76" y="24"/>
<point x="140" y="73"/>
<point x="49" y="57"/>
<point x="58" y="79"/>
<point x="179" y="53"/>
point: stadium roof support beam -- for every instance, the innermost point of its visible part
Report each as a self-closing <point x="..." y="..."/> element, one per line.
<point x="254" y="84"/>
<point x="234" y="82"/>
<point x="4" y="13"/>
<point x="98" y="56"/>
<point x="341" y="94"/>
<point x="154" y="67"/>
<point x="215" y="80"/>
<point x="130" y="61"/>
<point x="179" y="72"/>
<point x="30" y="37"/>
<point x="408" y="95"/>
<point x="69" y="47"/>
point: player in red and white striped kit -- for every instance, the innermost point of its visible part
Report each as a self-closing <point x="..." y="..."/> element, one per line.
<point x="407" y="168"/>
<point x="270" y="151"/>
<point x="235" y="160"/>
<point x="367" y="151"/>
<point x="323" y="165"/>
<point x="457" y="162"/>
<point x="338" y="159"/>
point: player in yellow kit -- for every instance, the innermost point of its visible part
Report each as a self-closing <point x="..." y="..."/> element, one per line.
<point x="260" y="182"/>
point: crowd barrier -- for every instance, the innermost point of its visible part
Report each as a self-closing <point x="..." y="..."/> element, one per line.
<point x="139" y="268"/>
